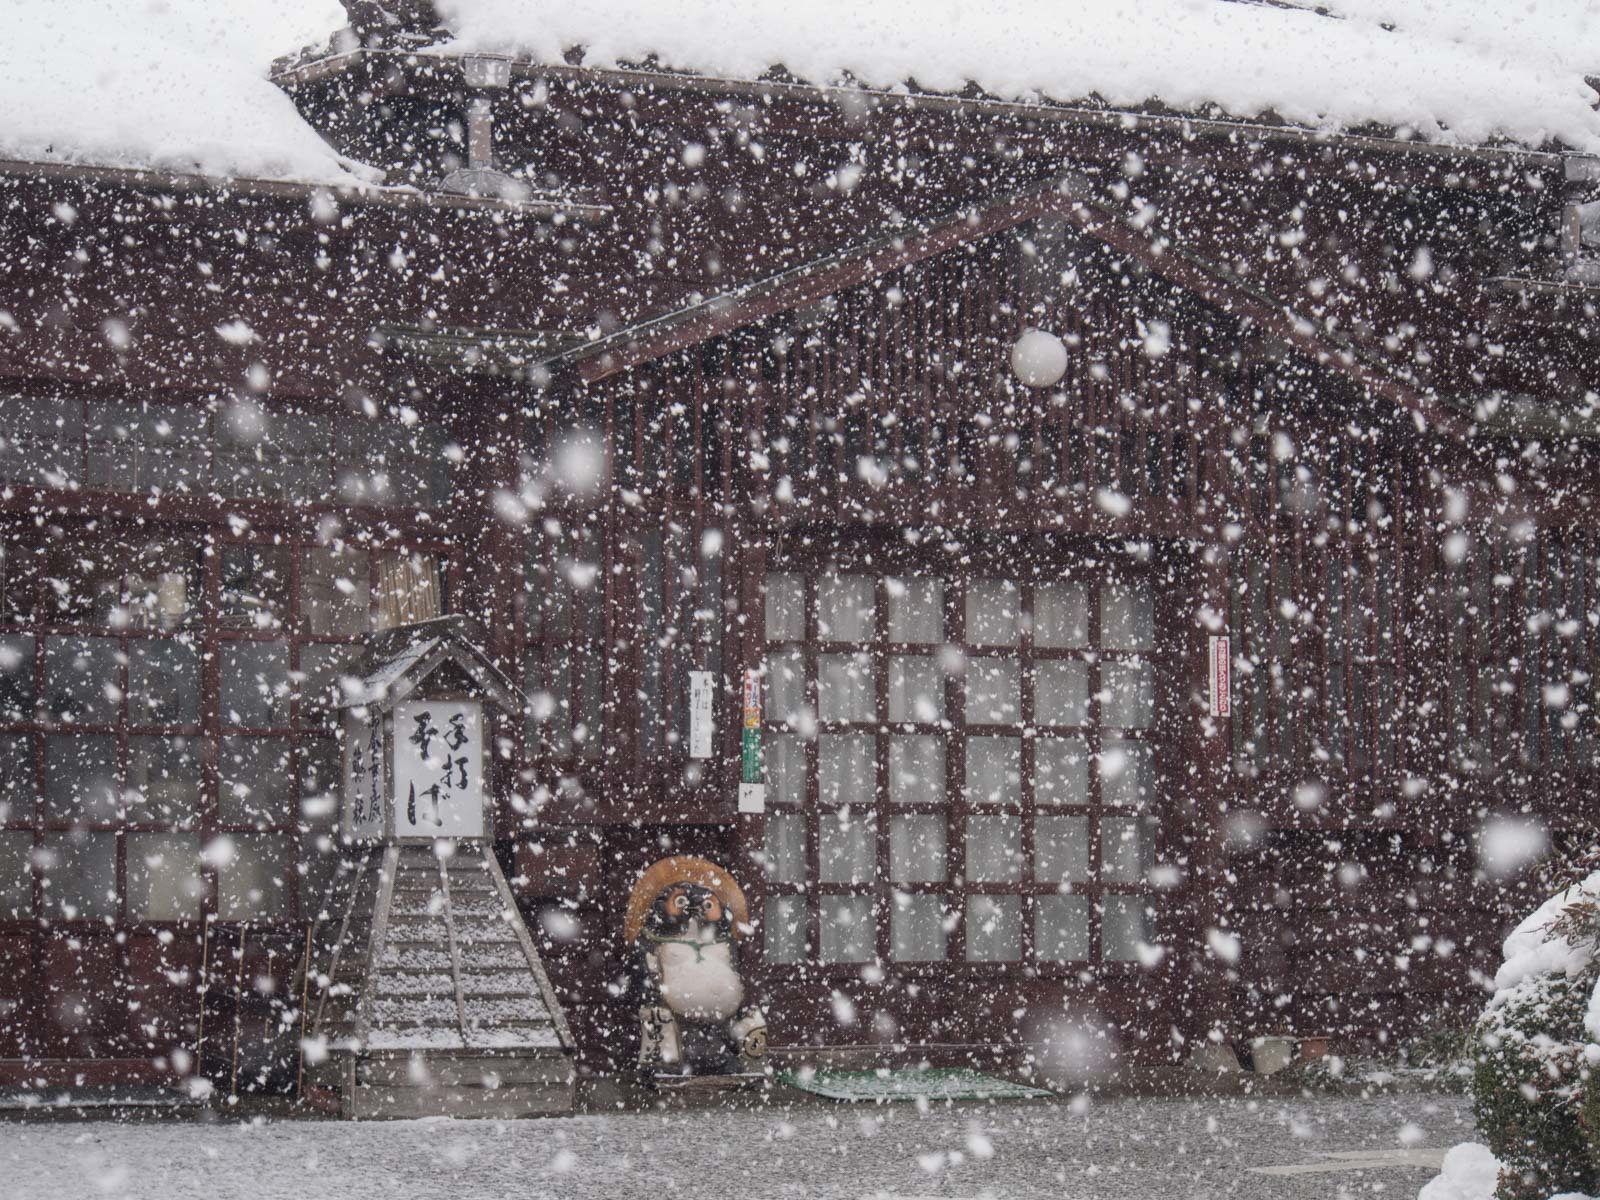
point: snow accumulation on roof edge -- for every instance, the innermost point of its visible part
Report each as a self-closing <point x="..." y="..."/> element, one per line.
<point x="1451" y="71"/>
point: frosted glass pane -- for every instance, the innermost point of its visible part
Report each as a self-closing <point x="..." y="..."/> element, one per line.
<point x="80" y="875"/>
<point x="81" y="680"/>
<point x="847" y="770"/>
<point x="1127" y="615"/>
<point x="163" y="683"/>
<point x="1061" y="771"/>
<point x="847" y="845"/>
<point x="847" y="931"/>
<point x="80" y="777"/>
<point x="256" y="785"/>
<point x="917" y="848"/>
<point x="1060" y="849"/>
<point x="1124" y="851"/>
<point x="1060" y="615"/>
<point x="784" y="759"/>
<point x="255" y="684"/>
<point x="916" y="610"/>
<point x="993" y="611"/>
<point x="994" y="770"/>
<point x="17" y="787"/>
<point x="845" y="690"/>
<point x="916" y="689"/>
<point x="1127" y="776"/>
<point x="994" y="928"/>
<point x="1124" y="926"/>
<point x="1127" y="699"/>
<point x="1061" y="692"/>
<point x="786" y="685"/>
<point x="916" y="928"/>
<point x="16" y="668"/>
<point x="784" y="931"/>
<point x="16" y="877"/>
<point x="1061" y="928"/>
<point x="845" y="608"/>
<point x="994" y="848"/>
<point x="916" y="769"/>
<point x="255" y="884"/>
<point x="164" y="777"/>
<point x="993" y="691"/>
<point x="786" y="608"/>
<point x="163" y="881"/>
<point x="785" y="845"/>
<point x="335" y="591"/>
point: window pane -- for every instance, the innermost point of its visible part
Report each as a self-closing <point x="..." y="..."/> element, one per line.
<point x="255" y="884"/>
<point x="916" y="689"/>
<point x="847" y="770"/>
<point x="1060" y="615"/>
<point x="1125" y="925"/>
<point x="255" y="684"/>
<point x="163" y="883"/>
<point x="785" y="845"/>
<point x="16" y="876"/>
<point x="847" y="845"/>
<point x="845" y="687"/>
<point x="335" y="591"/>
<point x="916" y="928"/>
<point x="80" y="777"/>
<point x="1127" y="695"/>
<point x="845" y="608"/>
<point x="783" y="932"/>
<point x="993" y="692"/>
<point x="916" y="769"/>
<point x="1127" y="615"/>
<point x="257" y="786"/>
<point x="1124" y="851"/>
<point x="1127" y="778"/>
<point x="1061" y="692"/>
<point x="994" y="848"/>
<point x="992" y="612"/>
<point x="163" y="683"/>
<point x="81" y="678"/>
<point x="321" y="771"/>
<point x="1061" y="928"/>
<point x="847" y="929"/>
<point x="79" y="872"/>
<point x="16" y="677"/>
<point x="1060" y="849"/>
<point x="785" y="762"/>
<point x="318" y="686"/>
<point x="994" y="770"/>
<point x="255" y="586"/>
<point x="786" y="608"/>
<point x="1061" y="771"/>
<point x="994" y="928"/>
<point x="164" y="777"/>
<point x="786" y="685"/>
<point x="917" y="848"/>
<point x="916" y="611"/>
<point x="18" y="787"/>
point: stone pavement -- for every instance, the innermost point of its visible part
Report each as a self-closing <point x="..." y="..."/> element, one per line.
<point x="1137" y="1149"/>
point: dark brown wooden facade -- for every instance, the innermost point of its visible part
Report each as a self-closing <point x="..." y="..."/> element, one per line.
<point x="1313" y="401"/>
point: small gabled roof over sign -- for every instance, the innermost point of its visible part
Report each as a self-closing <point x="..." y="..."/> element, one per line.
<point x="399" y="661"/>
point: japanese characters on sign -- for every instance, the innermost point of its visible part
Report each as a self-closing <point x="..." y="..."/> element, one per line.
<point x="702" y="724"/>
<point x="438" y="769"/>
<point x="1221" y="676"/>
<point x="365" y="777"/>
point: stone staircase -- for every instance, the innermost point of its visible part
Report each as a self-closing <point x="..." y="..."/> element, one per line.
<point x="433" y="999"/>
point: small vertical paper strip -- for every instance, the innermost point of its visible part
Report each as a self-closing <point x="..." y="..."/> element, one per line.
<point x="1221" y="676"/>
<point x="750" y="745"/>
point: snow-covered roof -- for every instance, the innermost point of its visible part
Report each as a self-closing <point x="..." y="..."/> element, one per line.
<point x="1465" y="71"/>
<point x="176" y="85"/>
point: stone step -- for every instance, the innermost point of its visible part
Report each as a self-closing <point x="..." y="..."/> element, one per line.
<point x="375" y="1102"/>
<point x="462" y="1069"/>
<point x="493" y="1009"/>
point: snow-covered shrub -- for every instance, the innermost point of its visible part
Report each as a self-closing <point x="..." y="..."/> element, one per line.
<point x="1528" y="1083"/>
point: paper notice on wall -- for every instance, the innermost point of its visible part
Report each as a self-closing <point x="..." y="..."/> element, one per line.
<point x="702" y="695"/>
<point x="752" y="797"/>
<point x="1221" y="672"/>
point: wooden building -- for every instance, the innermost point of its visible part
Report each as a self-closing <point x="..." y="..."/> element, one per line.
<point x="677" y="374"/>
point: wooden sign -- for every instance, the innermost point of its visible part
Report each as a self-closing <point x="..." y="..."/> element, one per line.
<point x="366" y="775"/>
<point x="439" y="767"/>
<point x="702" y="715"/>
<point x="1221" y="676"/>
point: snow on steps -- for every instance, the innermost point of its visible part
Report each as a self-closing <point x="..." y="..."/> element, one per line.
<point x="438" y="1002"/>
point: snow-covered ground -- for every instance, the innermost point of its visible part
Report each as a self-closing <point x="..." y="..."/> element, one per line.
<point x="1108" y="1150"/>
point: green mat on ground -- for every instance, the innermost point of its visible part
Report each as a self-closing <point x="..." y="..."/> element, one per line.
<point x="884" y="1084"/>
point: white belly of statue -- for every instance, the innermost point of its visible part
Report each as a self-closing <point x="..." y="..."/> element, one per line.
<point x="699" y="982"/>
